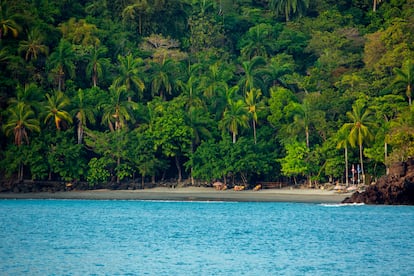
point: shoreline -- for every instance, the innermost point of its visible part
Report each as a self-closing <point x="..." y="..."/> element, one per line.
<point x="191" y="194"/>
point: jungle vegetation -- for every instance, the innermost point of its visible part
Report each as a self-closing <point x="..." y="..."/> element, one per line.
<point x="198" y="90"/>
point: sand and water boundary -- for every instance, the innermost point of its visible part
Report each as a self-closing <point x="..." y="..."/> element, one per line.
<point x="192" y="194"/>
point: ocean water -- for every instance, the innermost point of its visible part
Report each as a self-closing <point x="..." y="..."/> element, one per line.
<point x="86" y="237"/>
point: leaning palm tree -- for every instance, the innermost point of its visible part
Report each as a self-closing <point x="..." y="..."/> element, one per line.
<point x="20" y="120"/>
<point x="360" y="129"/>
<point x="55" y="108"/>
<point x="405" y="76"/>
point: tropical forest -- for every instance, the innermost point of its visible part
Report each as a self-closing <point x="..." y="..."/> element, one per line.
<point x="196" y="91"/>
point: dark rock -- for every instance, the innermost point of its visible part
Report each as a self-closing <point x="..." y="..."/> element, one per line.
<point x="396" y="188"/>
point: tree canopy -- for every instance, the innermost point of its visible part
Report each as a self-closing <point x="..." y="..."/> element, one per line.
<point x="245" y="91"/>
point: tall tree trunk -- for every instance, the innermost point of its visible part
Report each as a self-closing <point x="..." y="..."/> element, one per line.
<point x="254" y="131"/>
<point x="307" y="136"/>
<point x="346" y="167"/>
<point x="94" y="76"/>
<point x="80" y="133"/>
<point x="287" y="13"/>
<point x="362" y="164"/>
<point x="387" y="169"/>
<point x="177" y="164"/>
<point x="234" y="137"/>
<point x="118" y="163"/>
<point x="191" y="169"/>
<point x="61" y="75"/>
<point x="143" y="181"/>
<point x="20" y="172"/>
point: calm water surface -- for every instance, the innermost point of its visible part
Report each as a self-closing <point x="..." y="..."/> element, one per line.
<point x="80" y="237"/>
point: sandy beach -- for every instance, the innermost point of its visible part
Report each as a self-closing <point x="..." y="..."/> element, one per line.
<point x="192" y="194"/>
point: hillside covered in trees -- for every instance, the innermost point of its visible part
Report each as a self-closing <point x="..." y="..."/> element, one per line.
<point x="235" y="90"/>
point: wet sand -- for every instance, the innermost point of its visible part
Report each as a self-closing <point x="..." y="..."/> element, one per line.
<point x="192" y="194"/>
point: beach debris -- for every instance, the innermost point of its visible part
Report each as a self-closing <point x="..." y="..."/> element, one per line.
<point x="257" y="187"/>
<point x="238" y="188"/>
<point x="219" y="186"/>
<point x="340" y="188"/>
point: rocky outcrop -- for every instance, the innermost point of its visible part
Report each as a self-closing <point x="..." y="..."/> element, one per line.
<point x="396" y="188"/>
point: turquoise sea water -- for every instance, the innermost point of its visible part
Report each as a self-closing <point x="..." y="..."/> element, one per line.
<point x="82" y="237"/>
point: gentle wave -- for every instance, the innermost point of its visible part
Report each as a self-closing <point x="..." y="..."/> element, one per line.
<point x="341" y="204"/>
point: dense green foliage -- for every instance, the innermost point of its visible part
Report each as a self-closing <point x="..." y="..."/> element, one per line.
<point x="240" y="90"/>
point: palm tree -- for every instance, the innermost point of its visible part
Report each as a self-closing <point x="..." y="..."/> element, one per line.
<point x="254" y="105"/>
<point x="190" y="92"/>
<point x="235" y="116"/>
<point x="84" y="113"/>
<point x="55" y="106"/>
<point x="61" y="62"/>
<point x="33" y="46"/>
<point x="130" y="69"/>
<point x="306" y="117"/>
<point x="30" y="95"/>
<point x="278" y="67"/>
<point x="162" y="78"/>
<point x="117" y="112"/>
<point x="257" y="41"/>
<point x="360" y="129"/>
<point x="252" y="71"/>
<point x="140" y="8"/>
<point x="96" y="63"/>
<point x="405" y="76"/>
<point x="215" y="79"/>
<point x="7" y="23"/>
<point x="302" y="120"/>
<point x="289" y="7"/>
<point x="198" y="122"/>
<point x="343" y="142"/>
<point x="21" y="119"/>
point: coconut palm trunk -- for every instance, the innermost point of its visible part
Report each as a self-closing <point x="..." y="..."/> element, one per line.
<point x="362" y="163"/>
<point x="346" y="166"/>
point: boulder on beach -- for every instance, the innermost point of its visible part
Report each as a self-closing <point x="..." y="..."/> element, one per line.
<point x="396" y="188"/>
